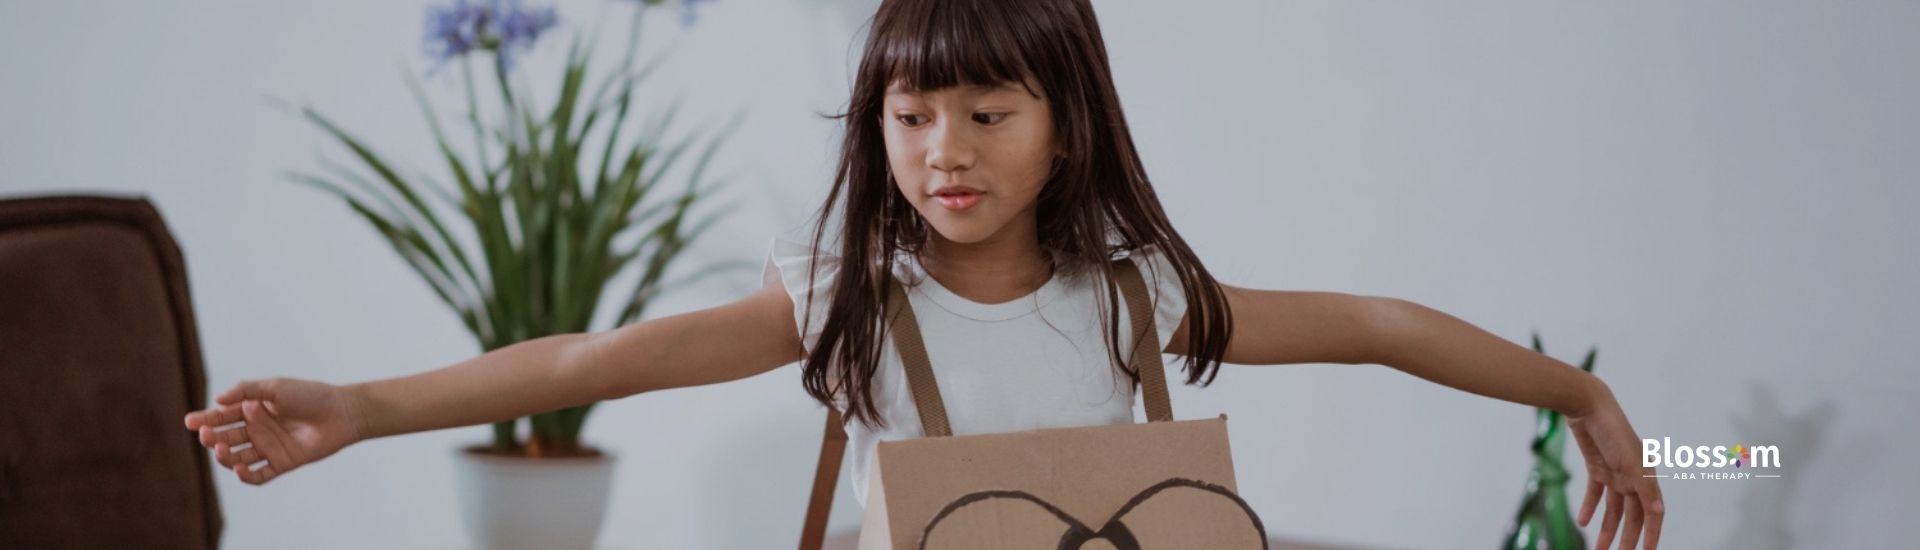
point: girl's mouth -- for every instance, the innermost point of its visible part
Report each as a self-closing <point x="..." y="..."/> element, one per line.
<point x="958" y="201"/>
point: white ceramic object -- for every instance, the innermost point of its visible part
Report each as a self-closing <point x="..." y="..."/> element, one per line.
<point x="523" y="504"/>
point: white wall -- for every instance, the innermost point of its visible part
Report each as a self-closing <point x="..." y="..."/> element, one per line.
<point x="1717" y="193"/>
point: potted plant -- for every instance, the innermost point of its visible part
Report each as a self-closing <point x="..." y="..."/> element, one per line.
<point x="528" y="237"/>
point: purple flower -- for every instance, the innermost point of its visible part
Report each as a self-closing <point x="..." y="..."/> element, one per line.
<point x="687" y="13"/>
<point x="503" y="26"/>
<point x="454" y="30"/>
<point x="519" y="27"/>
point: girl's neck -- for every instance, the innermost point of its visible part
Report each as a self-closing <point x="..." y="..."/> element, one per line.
<point x="999" y="269"/>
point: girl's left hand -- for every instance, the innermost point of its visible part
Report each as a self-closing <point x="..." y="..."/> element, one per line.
<point x="1612" y="452"/>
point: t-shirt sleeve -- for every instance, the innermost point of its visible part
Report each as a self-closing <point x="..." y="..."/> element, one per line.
<point x="1163" y="289"/>
<point x="787" y="265"/>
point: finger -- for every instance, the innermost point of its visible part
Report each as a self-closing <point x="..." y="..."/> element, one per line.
<point x="1656" y="508"/>
<point x="1592" y="500"/>
<point x="251" y="389"/>
<point x="233" y="436"/>
<point x="1630" y="535"/>
<point x="228" y="455"/>
<point x="254" y="476"/>
<point x="1612" y="522"/>
<point x="219" y="416"/>
<point x="223" y="455"/>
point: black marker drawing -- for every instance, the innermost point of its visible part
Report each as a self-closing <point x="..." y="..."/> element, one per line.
<point x="1114" y="531"/>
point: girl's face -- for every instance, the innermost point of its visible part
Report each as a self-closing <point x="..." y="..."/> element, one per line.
<point x="971" y="160"/>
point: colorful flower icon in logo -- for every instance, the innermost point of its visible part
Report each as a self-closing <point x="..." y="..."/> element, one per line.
<point x="1740" y="455"/>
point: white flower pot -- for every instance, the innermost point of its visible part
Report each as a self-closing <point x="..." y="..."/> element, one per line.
<point x="512" y="503"/>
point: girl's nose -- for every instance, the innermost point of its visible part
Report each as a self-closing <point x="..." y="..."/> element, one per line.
<point x="949" y="147"/>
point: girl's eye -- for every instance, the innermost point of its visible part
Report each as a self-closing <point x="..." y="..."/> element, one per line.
<point x="983" y="118"/>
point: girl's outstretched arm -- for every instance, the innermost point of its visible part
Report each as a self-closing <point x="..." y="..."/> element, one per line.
<point x="1278" y="327"/>
<point x="732" y="341"/>
<point x="291" y="422"/>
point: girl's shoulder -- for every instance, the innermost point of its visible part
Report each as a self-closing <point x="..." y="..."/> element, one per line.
<point x="1152" y="263"/>
<point x="807" y="273"/>
<point x="1165" y="291"/>
<point x="793" y="256"/>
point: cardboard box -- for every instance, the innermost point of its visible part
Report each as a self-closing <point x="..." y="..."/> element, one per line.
<point x="1155" y="485"/>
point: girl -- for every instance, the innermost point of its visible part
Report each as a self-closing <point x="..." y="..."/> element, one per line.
<point x="987" y="165"/>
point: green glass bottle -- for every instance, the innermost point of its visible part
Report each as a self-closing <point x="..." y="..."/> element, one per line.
<point x="1545" y="522"/>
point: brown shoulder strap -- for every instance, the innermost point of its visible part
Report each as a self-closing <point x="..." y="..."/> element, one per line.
<point x="1145" y="361"/>
<point x="913" y="356"/>
<point x="1146" y="339"/>
<point x="826" y="475"/>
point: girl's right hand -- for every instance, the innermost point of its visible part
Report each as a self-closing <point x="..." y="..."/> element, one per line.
<point x="288" y="422"/>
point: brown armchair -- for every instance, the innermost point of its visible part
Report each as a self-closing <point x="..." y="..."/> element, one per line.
<point x="99" y="360"/>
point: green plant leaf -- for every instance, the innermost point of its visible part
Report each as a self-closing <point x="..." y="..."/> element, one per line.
<point x="409" y="245"/>
<point x="394" y="183"/>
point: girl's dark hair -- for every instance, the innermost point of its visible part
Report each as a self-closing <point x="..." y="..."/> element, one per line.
<point x="1096" y="205"/>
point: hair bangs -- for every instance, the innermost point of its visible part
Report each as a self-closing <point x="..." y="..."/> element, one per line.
<point x="946" y="44"/>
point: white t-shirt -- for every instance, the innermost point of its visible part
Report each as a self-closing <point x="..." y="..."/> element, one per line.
<point x="1039" y="361"/>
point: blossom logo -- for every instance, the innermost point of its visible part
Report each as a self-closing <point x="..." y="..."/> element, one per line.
<point x="1715" y="458"/>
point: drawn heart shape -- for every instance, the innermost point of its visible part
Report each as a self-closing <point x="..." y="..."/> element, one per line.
<point x="1024" y="512"/>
